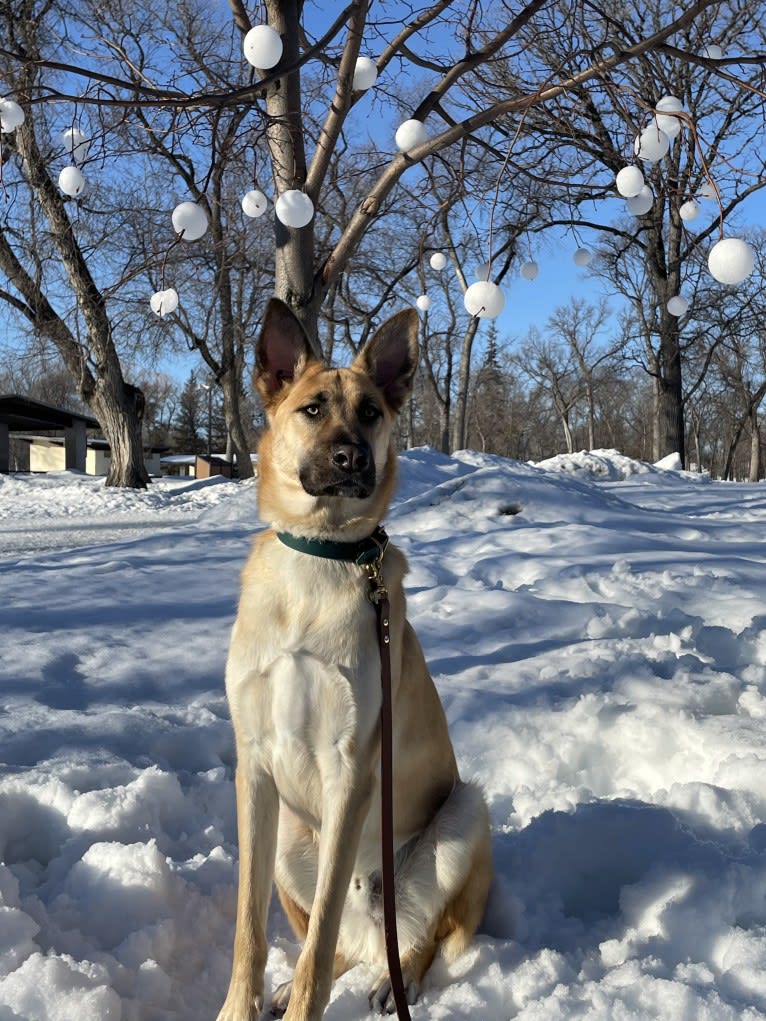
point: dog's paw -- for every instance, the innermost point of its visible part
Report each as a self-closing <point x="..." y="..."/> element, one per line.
<point x="281" y="999"/>
<point x="381" y="998"/>
<point x="241" y="1007"/>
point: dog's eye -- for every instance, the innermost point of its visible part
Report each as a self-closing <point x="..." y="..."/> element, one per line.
<point x="368" y="412"/>
<point x="312" y="410"/>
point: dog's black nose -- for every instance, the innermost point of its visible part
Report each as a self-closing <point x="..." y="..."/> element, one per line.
<point x="351" y="457"/>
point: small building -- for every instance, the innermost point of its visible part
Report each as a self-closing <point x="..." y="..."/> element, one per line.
<point x="46" y="454"/>
<point x="205" y="467"/>
<point x="179" y="465"/>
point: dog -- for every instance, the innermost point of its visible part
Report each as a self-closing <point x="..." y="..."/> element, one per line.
<point x="304" y="690"/>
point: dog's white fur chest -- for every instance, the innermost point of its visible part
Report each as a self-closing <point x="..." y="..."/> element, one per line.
<point x="304" y="675"/>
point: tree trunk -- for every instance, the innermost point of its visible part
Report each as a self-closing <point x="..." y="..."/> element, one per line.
<point x="459" y="417"/>
<point x="95" y="366"/>
<point x="234" y="426"/>
<point x="591" y="415"/>
<point x="121" y="416"/>
<point x="668" y="393"/>
<point x="755" y="447"/>
<point x="568" y="437"/>
<point x="294" y="265"/>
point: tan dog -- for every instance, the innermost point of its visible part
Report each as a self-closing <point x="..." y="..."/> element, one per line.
<point x="303" y="683"/>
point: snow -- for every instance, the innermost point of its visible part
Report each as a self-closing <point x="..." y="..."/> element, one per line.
<point x="597" y="630"/>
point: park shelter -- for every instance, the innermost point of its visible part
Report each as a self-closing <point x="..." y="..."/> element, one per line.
<point x="23" y="415"/>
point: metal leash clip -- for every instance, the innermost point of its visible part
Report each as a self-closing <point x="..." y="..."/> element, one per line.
<point x="377" y="590"/>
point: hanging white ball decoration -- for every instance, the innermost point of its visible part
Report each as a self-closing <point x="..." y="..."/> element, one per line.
<point x="71" y="182"/>
<point x="712" y="51"/>
<point x="529" y="270"/>
<point x="11" y="115"/>
<point x="294" y="208"/>
<point x="582" y="256"/>
<point x="189" y="219"/>
<point x="731" y="260"/>
<point x="423" y="302"/>
<point x="438" y="260"/>
<point x="365" y="74"/>
<point x="262" y="47"/>
<point x="677" y="305"/>
<point x="629" y="181"/>
<point x="641" y="203"/>
<point x="690" y="210"/>
<point x="652" y="144"/>
<point x="164" y="302"/>
<point x="708" y="190"/>
<point x="670" y="125"/>
<point x="76" y="144"/>
<point x="484" y="299"/>
<point x="410" y="135"/>
<point x="482" y="271"/>
<point x="254" y="203"/>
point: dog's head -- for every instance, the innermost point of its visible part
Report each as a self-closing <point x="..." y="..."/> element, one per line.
<point x="326" y="464"/>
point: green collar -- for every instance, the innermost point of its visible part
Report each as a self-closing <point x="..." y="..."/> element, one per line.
<point x="363" y="552"/>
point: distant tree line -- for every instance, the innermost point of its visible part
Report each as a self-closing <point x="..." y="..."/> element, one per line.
<point x="578" y="383"/>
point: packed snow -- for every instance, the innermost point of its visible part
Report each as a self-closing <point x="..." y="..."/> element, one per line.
<point x="597" y="629"/>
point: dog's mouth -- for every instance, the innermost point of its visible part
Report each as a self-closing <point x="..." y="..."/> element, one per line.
<point x="358" y="489"/>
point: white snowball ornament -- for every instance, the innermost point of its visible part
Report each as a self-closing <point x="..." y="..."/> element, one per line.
<point x="190" y="220"/>
<point x="262" y="47"/>
<point x="71" y="182"/>
<point x="731" y="261"/>
<point x="670" y="125"/>
<point x="423" y="302"/>
<point x="164" y="302"/>
<point x="529" y="270"/>
<point x="690" y="210"/>
<point x="582" y="256"/>
<point x="629" y="182"/>
<point x="438" y="260"/>
<point x="11" y="115"/>
<point x="410" y="135"/>
<point x="365" y="74"/>
<point x="484" y="299"/>
<point x="482" y="271"/>
<point x="712" y="51"/>
<point x="677" y="305"/>
<point x="254" y="203"/>
<point x="641" y="203"/>
<point x="708" y="190"/>
<point x="652" y="144"/>
<point x="76" y="144"/>
<point x="294" y="208"/>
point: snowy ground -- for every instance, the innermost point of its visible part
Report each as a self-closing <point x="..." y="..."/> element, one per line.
<point x="597" y="629"/>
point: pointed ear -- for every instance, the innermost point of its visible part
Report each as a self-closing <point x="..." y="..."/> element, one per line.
<point x="391" y="357"/>
<point x="282" y="353"/>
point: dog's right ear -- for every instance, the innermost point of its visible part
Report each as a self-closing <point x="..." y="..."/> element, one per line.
<point x="282" y="353"/>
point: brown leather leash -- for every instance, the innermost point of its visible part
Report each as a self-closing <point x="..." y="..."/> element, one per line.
<point x="378" y="596"/>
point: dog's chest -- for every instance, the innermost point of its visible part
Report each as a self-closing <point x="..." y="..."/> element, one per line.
<point x="304" y="683"/>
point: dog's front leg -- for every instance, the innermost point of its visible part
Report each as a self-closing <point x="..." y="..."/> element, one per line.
<point x="345" y="806"/>
<point x="257" y="817"/>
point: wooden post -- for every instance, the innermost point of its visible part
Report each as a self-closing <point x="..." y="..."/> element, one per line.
<point x="5" y="449"/>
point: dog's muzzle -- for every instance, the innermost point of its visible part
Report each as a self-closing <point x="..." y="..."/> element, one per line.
<point x="348" y="470"/>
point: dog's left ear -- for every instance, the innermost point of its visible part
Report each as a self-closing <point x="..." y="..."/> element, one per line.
<point x="391" y="357"/>
<point x="282" y="353"/>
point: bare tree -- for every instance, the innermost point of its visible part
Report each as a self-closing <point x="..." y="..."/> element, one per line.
<point x="579" y="325"/>
<point x="589" y="131"/>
